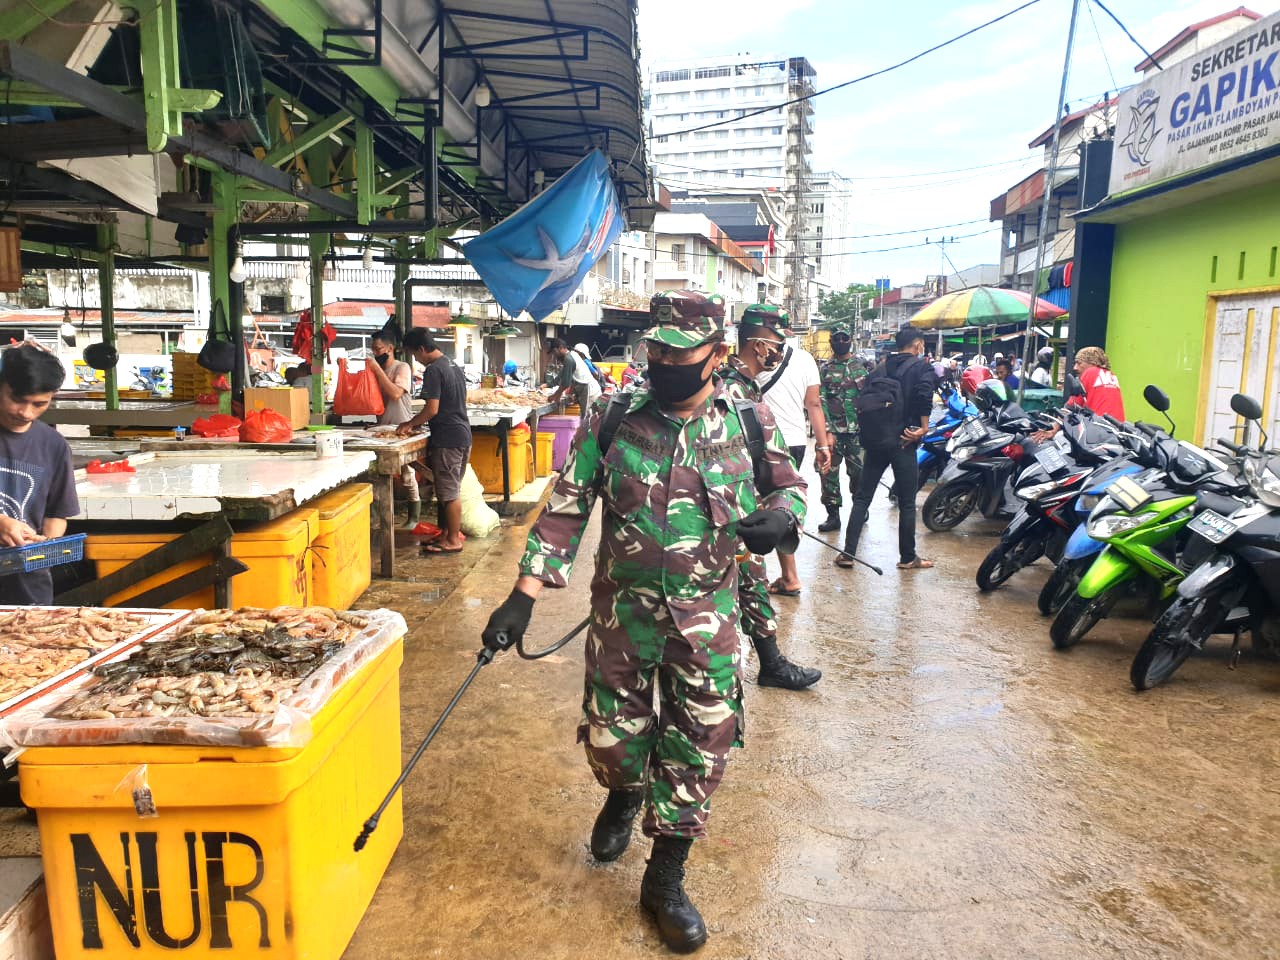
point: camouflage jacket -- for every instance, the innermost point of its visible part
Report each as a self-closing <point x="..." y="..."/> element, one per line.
<point x="737" y="381"/>
<point x="838" y="390"/>
<point x="673" y="495"/>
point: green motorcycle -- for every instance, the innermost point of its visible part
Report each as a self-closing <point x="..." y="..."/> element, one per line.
<point x="1141" y="520"/>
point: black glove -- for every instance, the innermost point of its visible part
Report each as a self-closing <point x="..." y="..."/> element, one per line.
<point x="763" y="530"/>
<point x="508" y="623"/>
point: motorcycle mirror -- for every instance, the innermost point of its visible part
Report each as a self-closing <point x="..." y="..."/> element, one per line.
<point x="1074" y="388"/>
<point x="1156" y="397"/>
<point x="1246" y="406"/>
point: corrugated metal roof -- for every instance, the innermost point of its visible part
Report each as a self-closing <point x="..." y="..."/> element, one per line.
<point x="566" y="74"/>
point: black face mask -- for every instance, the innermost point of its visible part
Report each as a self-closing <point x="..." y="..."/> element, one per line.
<point x="841" y="345"/>
<point x="383" y="359"/>
<point x="675" y="383"/>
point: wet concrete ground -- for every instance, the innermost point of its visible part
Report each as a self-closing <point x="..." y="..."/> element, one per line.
<point x="952" y="788"/>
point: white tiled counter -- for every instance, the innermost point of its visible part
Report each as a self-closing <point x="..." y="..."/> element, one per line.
<point x="249" y="485"/>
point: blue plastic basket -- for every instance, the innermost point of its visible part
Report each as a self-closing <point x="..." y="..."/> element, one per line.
<point x="37" y="556"/>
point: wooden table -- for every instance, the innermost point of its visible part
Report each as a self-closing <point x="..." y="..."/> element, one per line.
<point x="149" y="414"/>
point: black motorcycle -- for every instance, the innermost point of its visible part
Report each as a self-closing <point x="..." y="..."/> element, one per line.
<point x="1234" y="584"/>
<point x="986" y="453"/>
<point x="1088" y="451"/>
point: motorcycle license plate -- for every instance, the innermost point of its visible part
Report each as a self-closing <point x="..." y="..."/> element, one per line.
<point x="1051" y="459"/>
<point x="1214" y="527"/>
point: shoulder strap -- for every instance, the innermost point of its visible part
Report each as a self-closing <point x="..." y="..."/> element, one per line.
<point x="778" y="374"/>
<point x="753" y="430"/>
<point x="614" y="411"/>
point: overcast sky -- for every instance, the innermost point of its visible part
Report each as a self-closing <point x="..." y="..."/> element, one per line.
<point x="978" y="102"/>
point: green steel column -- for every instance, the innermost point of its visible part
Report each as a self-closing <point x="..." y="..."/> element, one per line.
<point x="404" y="305"/>
<point x="318" y="244"/>
<point x="226" y="214"/>
<point x="106" y="294"/>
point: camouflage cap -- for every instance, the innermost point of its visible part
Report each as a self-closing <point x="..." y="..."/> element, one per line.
<point x="685" y="318"/>
<point x="840" y="328"/>
<point x="768" y="316"/>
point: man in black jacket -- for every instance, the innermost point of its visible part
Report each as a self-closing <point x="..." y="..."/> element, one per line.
<point x="918" y="383"/>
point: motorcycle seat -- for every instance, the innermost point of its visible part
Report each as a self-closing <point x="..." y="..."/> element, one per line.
<point x="1218" y="503"/>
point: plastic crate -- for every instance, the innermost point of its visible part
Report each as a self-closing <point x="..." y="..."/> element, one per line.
<point x="38" y="556"/>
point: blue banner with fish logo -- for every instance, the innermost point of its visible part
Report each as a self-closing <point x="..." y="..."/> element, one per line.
<point x="536" y="258"/>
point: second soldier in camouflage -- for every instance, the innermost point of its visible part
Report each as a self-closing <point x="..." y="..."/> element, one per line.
<point x="839" y="388"/>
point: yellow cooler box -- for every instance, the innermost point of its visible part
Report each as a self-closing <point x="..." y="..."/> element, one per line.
<point x="546" y="451"/>
<point x="249" y="851"/>
<point x="277" y="553"/>
<point x="486" y="460"/>
<point x="340" y="569"/>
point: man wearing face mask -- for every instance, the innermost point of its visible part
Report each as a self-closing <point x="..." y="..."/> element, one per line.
<point x="840" y="376"/>
<point x="395" y="380"/>
<point x="759" y="347"/>
<point x="663" y="683"/>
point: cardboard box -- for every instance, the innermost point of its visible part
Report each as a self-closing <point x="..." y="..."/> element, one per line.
<point x="293" y="402"/>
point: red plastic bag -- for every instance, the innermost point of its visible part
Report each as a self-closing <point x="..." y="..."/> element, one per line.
<point x="111" y="466"/>
<point x="218" y="425"/>
<point x="266" y="426"/>
<point x="358" y="394"/>
<point x="304" y="334"/>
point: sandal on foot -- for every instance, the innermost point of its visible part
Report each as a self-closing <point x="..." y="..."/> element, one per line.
<point x="844" y="561"/>
<point x="919" y="563"/>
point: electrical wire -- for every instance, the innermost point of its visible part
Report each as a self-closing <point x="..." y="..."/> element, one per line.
<point x="79" y="25"/>
<point x="900" y="188"/>
<point x="886" y="176"/>
<point x="808" y="257"/>
<point x="867" y="76"/>
<point x="1101" y="46"/>
<point x="1120" y="24"/>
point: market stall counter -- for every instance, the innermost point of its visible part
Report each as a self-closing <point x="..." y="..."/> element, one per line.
<point x="390" y="455"/>
<point x="498" y="411"/>
<point x="133" y="414"/>
<point x="146" y="535"/>
<point x="201" y="794"/>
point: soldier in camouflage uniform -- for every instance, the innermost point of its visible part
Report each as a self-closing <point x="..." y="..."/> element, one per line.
<point x="839" y="387"/>
<point x="678" y="491"/>
<point x="760" y="344"/>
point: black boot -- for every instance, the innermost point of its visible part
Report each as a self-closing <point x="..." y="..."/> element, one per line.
<point x="781" y="672"/>
<point x="612" y="832"/>
<point x="662" y="894"/>
<point x="832" y="522"/>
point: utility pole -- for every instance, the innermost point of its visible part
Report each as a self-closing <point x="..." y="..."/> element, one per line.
<point x="1050" y="173"/>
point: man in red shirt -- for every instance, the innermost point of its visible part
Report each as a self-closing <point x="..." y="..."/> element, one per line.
<point x="1101" y="388"/>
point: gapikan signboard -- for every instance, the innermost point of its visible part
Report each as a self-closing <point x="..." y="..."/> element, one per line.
<point x="1217" y="105"/>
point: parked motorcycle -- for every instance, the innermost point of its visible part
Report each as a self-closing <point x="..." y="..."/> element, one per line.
<point x="1235" y="582"/>
<point x="1140" y="520"/>
<point x="985" y="452"/>
<point x="931" y="455"/>
<point x="1085" y="451"/>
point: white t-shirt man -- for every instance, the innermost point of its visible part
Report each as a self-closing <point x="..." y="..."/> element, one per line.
<point x="786" y="397"/>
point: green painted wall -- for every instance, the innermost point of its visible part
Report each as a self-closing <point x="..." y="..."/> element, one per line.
<point x="1162" y="274"/>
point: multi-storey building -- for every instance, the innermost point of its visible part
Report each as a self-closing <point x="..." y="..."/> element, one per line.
<point x="829" y="200"/>
<point x="724" y="124"/>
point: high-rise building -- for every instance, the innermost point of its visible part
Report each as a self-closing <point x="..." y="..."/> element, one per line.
<point x="830" y="202"/>
<point x="719" y="124"/>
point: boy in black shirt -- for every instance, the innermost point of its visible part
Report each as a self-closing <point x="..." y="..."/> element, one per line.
<point x="37" y="484"/>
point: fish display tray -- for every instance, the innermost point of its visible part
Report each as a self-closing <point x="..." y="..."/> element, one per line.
<point x="289" y="725"/>
<point x="38" y="556"/>
<point x="156" y="621"/>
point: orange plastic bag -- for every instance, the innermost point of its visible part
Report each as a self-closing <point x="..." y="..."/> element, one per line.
<point x="266" y="426"/>
<point x="218" y="425"/>
<point x="357" y="394"/>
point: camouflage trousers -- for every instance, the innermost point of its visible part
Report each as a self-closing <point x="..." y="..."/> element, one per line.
<point x="753" y="599"/>
<point x="662" y="707"/>
<point x="849" y="452"/>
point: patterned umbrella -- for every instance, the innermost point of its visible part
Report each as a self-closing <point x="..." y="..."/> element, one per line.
<point x="981" y="307"/>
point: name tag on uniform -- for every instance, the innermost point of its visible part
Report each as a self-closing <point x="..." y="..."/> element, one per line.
<point x="706" y="451"/>
<point x="634" y="438"/>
